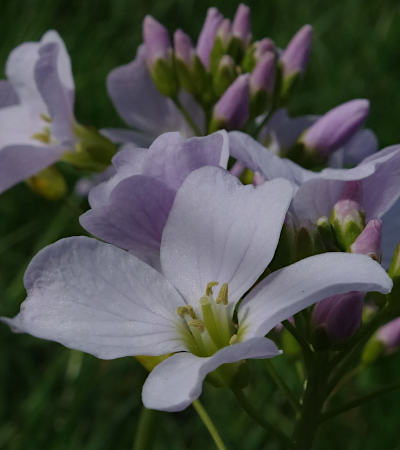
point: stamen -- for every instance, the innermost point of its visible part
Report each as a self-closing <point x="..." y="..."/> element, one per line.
<point x="223" y="294"/>
<point x="209" y="288"/>
<point x="199" y="324"/>
<point x="46" y="118"/>
<point x="233" y="339"/>
<point x="210" y="322"/>
<point x="44" y="137"/>
<point x="187" y="309"/>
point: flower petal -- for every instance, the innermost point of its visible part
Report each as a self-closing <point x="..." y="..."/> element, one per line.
<point x="220" y="230"/>
<point x="124" y="136"/>
<point x="293" y="288"/>
<point x="177" y="382"/>
<point x="8" y="96"/>
<point x="135" y="216"/>
<point x="390" y="233"/>
<point x="18" y="162"/>
<point x="99" y="299"/>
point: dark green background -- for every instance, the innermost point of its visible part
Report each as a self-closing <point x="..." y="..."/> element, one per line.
<point x="51" y="398"/>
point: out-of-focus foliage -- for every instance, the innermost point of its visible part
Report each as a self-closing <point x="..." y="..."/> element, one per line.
<point x="54" y="399"/>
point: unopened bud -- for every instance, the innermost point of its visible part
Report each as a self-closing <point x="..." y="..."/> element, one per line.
<point x="255" y="52"/>
<point x="241" y="27"/>
<point x="308" y="242"/>
<point x="206" y="39"/>
<point x="338" y="316"/>
<point x="369" y="240"/>
<point x="327" y="234"/>
<point x="48" y="183"/>
<point x="159" y="56"/>
<point x="183" y="48"/>
<point x="224" y="75"/>
<point x="262" y="81"/>
<point x="389" y="335"/>
<point x="347" y="216"/>
<point x="220" y="45"/>
<point x="334" y="128"/>
<point x="232" y="110"/>
<point x="294" y="59"/>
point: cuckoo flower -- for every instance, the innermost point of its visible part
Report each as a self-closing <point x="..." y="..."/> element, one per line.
<point x="130" y="210"/>
<point x="36" y="109"/>
<point x="102" y="300"/>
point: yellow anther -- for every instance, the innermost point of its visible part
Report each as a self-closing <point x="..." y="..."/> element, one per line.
<point x="234" y="338"/>
<point x="197" y="324"/>
<point x="44" y="137"/>
<point x="223" y="294"/>
<point x="191" y="312"/>
<point x="209" y="288"/>
<point x="188" y="309"/>
<point x="46" y="118"/>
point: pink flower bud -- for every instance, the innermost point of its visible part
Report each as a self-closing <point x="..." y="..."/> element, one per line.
<point x="206" y="39"/>
<point x="183" y="47"/>
<point x="263" y="76"/>
<point x="241" y="27"/>
<point x="369" y="241"/>
<point x="156" y="40"/>
<point x="295" y="57"/>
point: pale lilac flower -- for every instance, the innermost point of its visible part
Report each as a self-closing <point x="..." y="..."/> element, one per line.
<point x="102" y="300"/>
<point x="294" y="58"/>
<point x="144" y="108"/>
<point x="340" y="315"/>
<point x="36" y="109"/>
<point x="130" y="210"/>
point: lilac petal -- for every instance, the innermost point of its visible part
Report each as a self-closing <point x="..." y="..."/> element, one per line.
<point x="139" y="102"/>
<point x="18" y="162"/>
<point x="127" y="162"/>
<point x="390" y="233"/>
<point x="291" y="289"/>
<point x="99" y="299"/>
<point x="220" y="230"/>
<point x="177" y="382"/>
<point x="135" y="216"/>
<point x="8" y="96"/>
<point x="206" y="39"/>
<point x="258" y="158"/>
<point x="124" y="136"/>
<point x="171" y="158"/>
<point x="17" y="126"/>
<point x="58" y="97"/>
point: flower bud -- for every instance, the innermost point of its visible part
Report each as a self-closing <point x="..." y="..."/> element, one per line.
<point x="206" y="39"/>
<point x="232" y="109"/>
<point x="48" y="183"/>
<point x="294" y="59"/>
<point x="262" y="82"/>
<point x="327" y="234"/>
<point x="221" y="43"/>
<point x="159" y="56"/>
<point x="308" y="241"/>
<point x="339" y="316"/>
<point x="369" y="241"/>
<point x="183" y="48"/>
<point x="389" y="335"/>
<point x="241" y="27"/>
<point x="255" y="52"/>
<point x="347" y="216"/>
<point x="334" y="128"/>
<point x="394" y="273"/>
<point x="224" y="75"/>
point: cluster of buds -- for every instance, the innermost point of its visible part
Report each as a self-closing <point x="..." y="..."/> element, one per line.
<point x="232" y="77"/>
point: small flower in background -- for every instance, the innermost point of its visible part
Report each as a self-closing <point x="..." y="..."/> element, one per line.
<point x="214" y="236"/>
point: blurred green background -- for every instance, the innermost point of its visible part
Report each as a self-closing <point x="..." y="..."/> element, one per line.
<point x="54" y="399"/>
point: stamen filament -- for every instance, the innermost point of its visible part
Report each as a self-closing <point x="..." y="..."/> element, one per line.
<point x="210" y="322"/>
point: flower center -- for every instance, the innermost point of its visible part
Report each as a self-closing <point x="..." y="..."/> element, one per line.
<point x="209" y="327"/>
<point x="44" y="136"/>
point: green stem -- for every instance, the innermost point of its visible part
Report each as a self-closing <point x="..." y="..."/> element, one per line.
<point x="205" y="418"/>
<point x="355" y="403"/>
<point x="307" y="352"/>
<point x="257" y="417"/>
<point x="282" y="385"/>
<point x="145" y="433"/>
<point x="187" y="117"/>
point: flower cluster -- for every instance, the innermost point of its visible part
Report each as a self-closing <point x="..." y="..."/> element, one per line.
<point x="212" y="236"/>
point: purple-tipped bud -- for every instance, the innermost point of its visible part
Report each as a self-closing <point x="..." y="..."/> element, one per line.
<point x="156" y="40"/>
<point x="266" y="45"/>
<point x="263" y="76"/>
<point x="369" y="241"/>
<point x="241" y="27"/>
<point x="295" y="57"/>
<point x="389" y="334"/>
<point x="183" y="47"/>
<point x="232" y="109"/>
<point x="206" y="39"/>
<point x="258" y="178"/>
<point x="339" y="316"/>
<point x="335" y="127"/>
<point x="224" y="32"/>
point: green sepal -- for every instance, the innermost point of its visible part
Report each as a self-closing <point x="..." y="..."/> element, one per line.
<point x="164" y="76"/>
<point x="327" y="234"/>
<point x="373" y="350"/>
<point x="346" y="233"/>
<point x="249" y="60"/>
<point x="259" y="102"/>
<point x="236" y="49"/>
<point x="223" y="78"/>
<point x="290" y="346"/>
<point x="217" y="52"/>
<point x="48" y="183"/>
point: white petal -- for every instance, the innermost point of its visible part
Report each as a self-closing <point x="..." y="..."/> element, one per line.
<point x="177" y="382"/>
<point x="220" y="230"/>
<point x="99" y="299"/>
<point x="293" y="288"/>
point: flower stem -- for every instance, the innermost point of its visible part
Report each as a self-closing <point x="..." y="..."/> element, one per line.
<point x="205" y="418"/>
<point x="280" y="382"/>
<point x="307" y="352"/>
<point x="257" y="417"/>
<point x="355" y="403"/>
<point x="144" y="437"/>
<point x="187" y="117"/>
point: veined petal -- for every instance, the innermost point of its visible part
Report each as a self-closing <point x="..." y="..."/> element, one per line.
<point x="135" y="215"/>
<point x="99" y="299"/>
<point x="8" y="96"/>
<point x="124" y="136"/>
<point x="18" y="162"/>
<point x="229" y="233"/>
<point x="177" y="382"/>
<point x="171" y="158"/>
<point x="293" y="288"/>
<point x="390" y="233"/>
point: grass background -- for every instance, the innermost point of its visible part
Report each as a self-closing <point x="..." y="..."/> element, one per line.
<point x="55" y="399"/>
